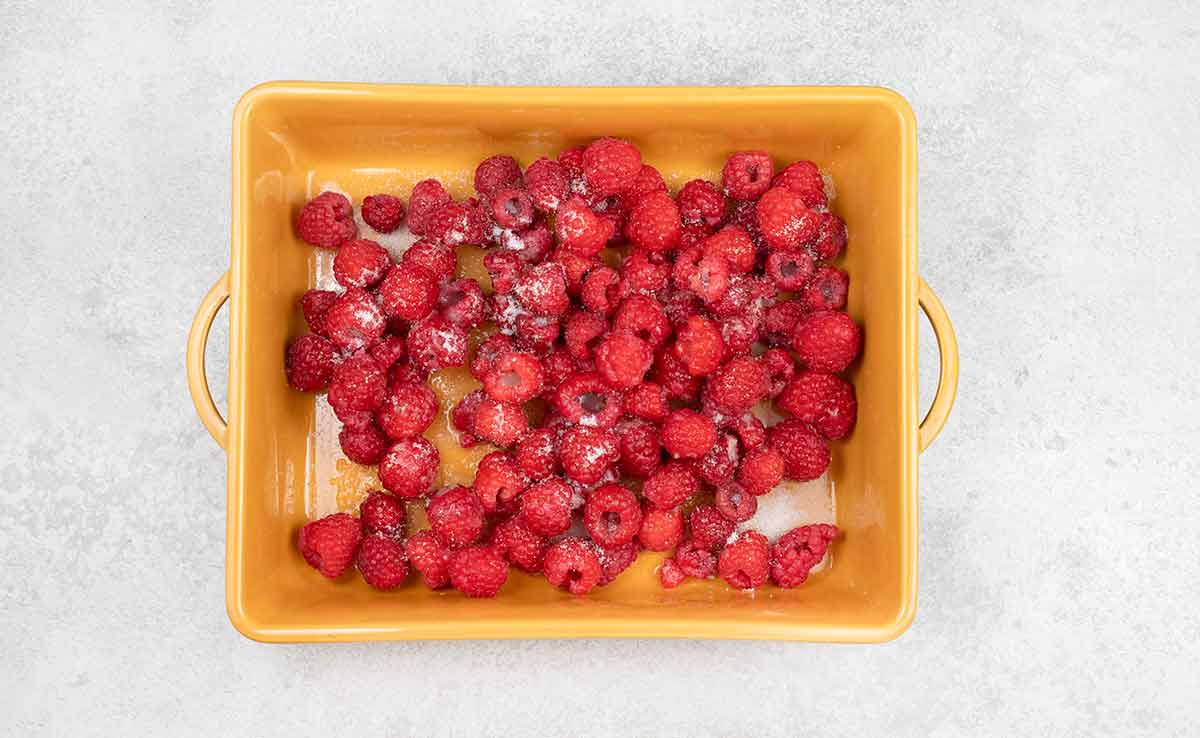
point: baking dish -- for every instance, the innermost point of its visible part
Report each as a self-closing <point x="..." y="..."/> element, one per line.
<point x="290" y="136"/>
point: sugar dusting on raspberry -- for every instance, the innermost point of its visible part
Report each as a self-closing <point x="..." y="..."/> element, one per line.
<point x="793" y="504"/>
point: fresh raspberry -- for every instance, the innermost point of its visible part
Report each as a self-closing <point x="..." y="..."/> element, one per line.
<point x="746" y="294"/>
<point x="643" y="273"/>
<point x="643" y="316"/>
<point x="309" y="363"/>
<point x="785" y="221"/>
<point x="600" y="290"/>
<point x="654" y="223"/>
<point x="661" y="529"/>
<point x="486" y="354"/>
<point x="329" y="544"/>
<point x="612" y="515"/>
<point x="382" y="562"/>
<point x="327" y="221"/>
<point x="710" y="279"/>
<point x="825" y="401"/>
<point x="803" y="178"/>
<point x="733" y="244"/>
<point x="750" y="431"/>
<point x="462" y="303"/>
<point x="358" y="384"/>
<point x="747" y="175"/>
<point x="698" y="344"/>
<point x="427" y="196"/>
<point x="640" y="448"/>
<point x="805" y="454"/>
<point x="504" y="267"/>
<point x="739" y="333"/>
<point x="611" y="165"/>
<point x="384" y="213"/>
<point x="462" y="418"/>
<point x="688" y="434"/>
<point x="557" y="365"/>
<point x="789" y="270"/>
<point x="314" y="304"/>
<point x="799" y="550"/>
<point x="537" y="333"/>
<point x="409" y="468"/>
<point x="455" y="223"/>
<point x="670" y="575"/>
<point x="671" y="485"/>
<point x="780" y="369"/>
<point x="537" y="454"/>
<point x="383" y="514"/>
<point x="647" y="401"/>
<point x="587" y="453"/>
<point x="826" y="290"/>
<point x="691" y="236"/>
<point x="623" y="359"/>
<point x="531" y="244"/>
<point x="543" y="290"/>
<point x="388" y="350"/>
<point x="761" y="469"/>
<point x="514" y="377"/>
<point x="365" y="445"/>
<point x="456" y="517"/>
<point x="354" y="419"/>
<point x="649" y="180"/>
<point x="428" y="556"/>
<point x="616" y="559"/>
<point x="586" y="399"/>
<point x="495" y="173"/>
<point x="737" y="385"/>
<point x="780" y="321"/>
<point x="522" y="547"/>
<point x="746" y="562"/>
<point x="719" y="462"/>
<point x="579" y="229"/>
<point x="675" y="378"/>
<point x="575" y="267"/>
<point x="572" y="564"/>
<point x="735" y="503"/>
<point x="710" y="528"/>
<point x="500" y="423"/>
<point x="683" y="271"/>
<point x="827" y="341"/>
<point x="354" y="320"/>
<point x="610" y="209"/>
<point x="546" y="507"/>
<point x="435" y="258"/>
<point x="582" y="331"/>
<point x="409" y="292"/>
<point x="407" y="410"/>
<point x="831" y="237"/>
<point x="435" y="343"/>
<point x="512" y="208"/>
<point x="498" y="481"/>
<point x="701" y="203"/>
<point x="478" y="571"/>
<point x="547" y="183"/>
<point x="696" y="561"/>
<point x="571" y="161"/>
<point x="681" y="304"/>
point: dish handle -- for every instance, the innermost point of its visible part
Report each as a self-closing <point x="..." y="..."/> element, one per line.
<point x="196" y="375"/>
<point x="947" y="388"/>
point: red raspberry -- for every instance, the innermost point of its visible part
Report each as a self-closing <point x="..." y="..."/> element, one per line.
<point x="740" y="333"/>
<point x="354" y="320"/>
<point x="647" y="400"/>
<point x="495" y="173"/>
<point x="409" y="292"/>
<point x="575" y="267"/>
<point x="514" y="377"/>
<point x="799" y="550"/>
<point x="572" y="564"/>
<point x="456" y="517"/>
<point x="648" y="180"/>
<point x="825" y="401"/>
<point x="512" y="208"/>
<point x="789" y="270"/>
<point x="671" y="485"/>
<point x="500" y="423"/>
<point x="805" y="454"/>
<point x="435" y="343"/>
<point x="462" y="418"/>
<point x="522" y="547"/>
<point x="750" y="431"/>
<point x="615" y="559"/>
<point x="691" y="236"/>
<point x="498" y="481"/>
<point x="827" y="290"/>
<point x="546" y="507"/>
<point x="478" y="571"/>
<point x="427" y="196"/>
<point x="737" y="386"/>
<point x="732" y="244"/>
<point x="681" y="304"/>
<point x="779" y="367"/>
<point x="831" y="237"/>
<point x="543" y="290"/>
<point x="644" y="273"/>
<point x="504" y="268"/>
<point x="701" y="203"/>
<point x="661" y="529"/>
<point x="579" y="229"/>
<point x="358" y="384"/>
<point x="571" y="161"/>
<point x="327" y="221"/>
<point x="746" y="295"/>
<point x="718" y="464"/>
<point x="537" y="333"/>
<point x="428" y="556"/>
<point x="537" y="453"/>
<point x="654" y="223"/>
<point x="710" y="528"/>
<point x="354" y="419"/>
<point x="486" y="354"/>
<point x="531" y="244"/>
<point x="710" y="278"/>
<point x="780" y="321"/>
<point x="383" y="514"/>
<point x="309" y="363"/>
<point x="746" y="562"/>
<point x="623" y="359"/>
<point x="582" y="331"/>
<point x="365" y="445"/>
<point x="600" y="290"/>
<point x="384" y="213"/>
<point x="382" y="562"/>
<point x="587" y="400"/>
<point x="641" y="451"/>
<point x="409" y="468"/>
<point x="455" y="223"/>
<point x="688" y="434"/>
<point x="612" y="515"/>
<point x="803" y="178"/>
<point x="557" y="365"/>
<point x="643" y="316"/>
<point x="695" y="561"/>
<point x="698" y="344"/>
<point x="611" y="165"/>
<point x="785" y="221"/>
<point x="435" y="258"/>
<point x="329" y="544"/>
<point x="761" y="469"/>
<point x="314" y="304"/>
<point x="407" y="410"/>
<point x="735" y="503"/>
<point x="388" y="351"/>
<point x="462" y="303"/>
<point x="670" y="575"/>
<point x="587" y="453"/>
<point x="827" y="341"/>
<point x="547" y="183"/>
<point x="675" y="378"/>
<point x="747" y="175"/>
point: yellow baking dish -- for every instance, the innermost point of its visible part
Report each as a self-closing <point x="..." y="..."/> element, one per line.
<point x="287" y="136"/>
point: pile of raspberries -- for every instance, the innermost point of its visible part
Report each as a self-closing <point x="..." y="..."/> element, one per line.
<point x="634" y="332"/>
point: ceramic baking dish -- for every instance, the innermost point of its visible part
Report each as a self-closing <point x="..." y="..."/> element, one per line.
<point x="289" y="136"/>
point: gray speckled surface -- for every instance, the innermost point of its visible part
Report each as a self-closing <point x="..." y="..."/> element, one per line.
<point x="1059" y="557"/>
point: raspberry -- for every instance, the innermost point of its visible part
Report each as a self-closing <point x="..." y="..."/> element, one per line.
<point x="740" y="334"/>
<point x="309" y="363"/>
<point x="329" y="544"/>
<point x="522" y="547"/>
<point x="737" y="385"/>
<point x="504" y="267"/>
<point x="830" y="238"/>
<point x="582" y="331"/>
<point x="681" y="304"/>
<point x="478" y="571"/>
<point x="537" y="453"/>
<point x="789" y="270"/>
<point x="455" y="223"/>
<point x="647" y="400"/>
<point x="718" y="464"/>
<point x="428" y="556"/>
<point x="611" y="165"/>
<point x="661" y="529"/>
<point x="623" y="359"/>
<point x="388" y="351"/>
<point x="495" y="173"/>
<point x="803" y="178"/>
<point x="531" y="244"/>
<point x="384" y="213"/>
<point x="456" y="517"/>
<point x="701" y="203"/>
<point x="710" y="528"/>
<point x="427" y="196"/>
<point x="600" y="290"/>
<point x="735" y="503"/>
<point x="547" y="183"/>
<point x="572" y="564"/>
<point x="462" y="417"/>
<point x="579" y="229"/>
<point x="649" y="180"/>
<point x="514" y="377"/>
<point x="785" y="221"/>
<point x="615" y="559"/>
<point x="586" y="399"/>
<point x="827" y="341"/>
<point x="327" y="221"/>
<point x="407" y="410"/>
<point x="575" y="267"/>
<point x="498" y="481"/>
<point x="670" y="575"/>
<point x="314" y="304"/>
<point x="512" y="208"/>
<point x="354" y="320"/>
<point x="641" y="450"/>
<point x="500" y="423"/>
<point x="796" y="553"/>
<point x="699" y="346"/>
<point x="675" y="378"/>
<point x="732" y="244"/>
<point x="365" y="445"/>
<point x="683" y="271"/>
<point x="543" y="290"/>
<point x="486" y="354"/>
<point x="354" y="419"/>
<point x="435" y="258"/>
<point x="409" y="468"/>
<point x="825" y="401"/>
<point x="746" y="562"/>
<point x="587" y="453"/>
<point x="537" y="333"/>
<point x="409" y="292"/>
<point x="462" y="303"/>
<point x="383" y="514"/>
<point x="382" y="562"/>
<point x="546" y="507"/>
<point x="747" y="175"/>
<point x="434" y="343"/>
<point x="746" y="294"/>
<point x="688" y="434"/>
<point x="671" y="485"/>
<point x="571" y="161"/>
<point x="761" y="470"/>
<point x="612" y="515"/>
<point x="695" y="561"/>
<point x="358" y="384"/>
<point x="643" y="316"/>
<point x="805" y="454"/>
<point x="827" y="290"/>
<point x="654" y="223"/>
<point x="710" y="280"/>
<point x="691" y="236"/>
<point x="644" y="273"/>
<point x="780" y="321"/>
<point x="750" y="431"/>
